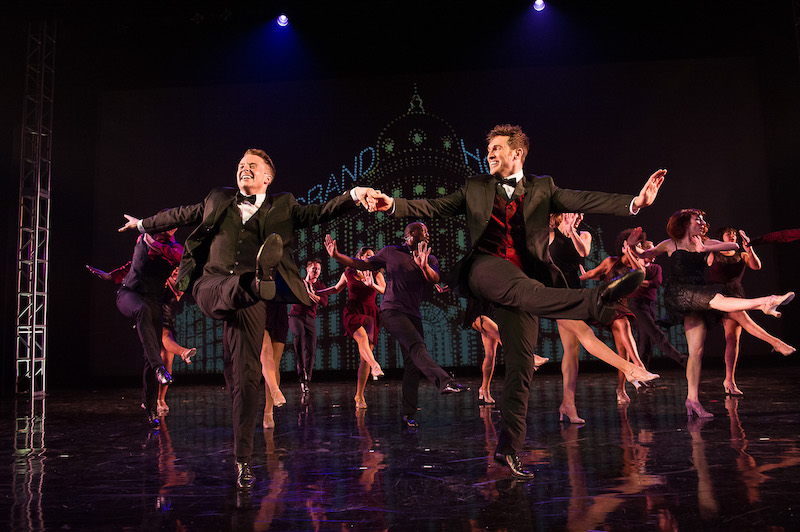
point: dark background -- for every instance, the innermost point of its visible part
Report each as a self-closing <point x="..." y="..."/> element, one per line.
<point x="154" y="105"/>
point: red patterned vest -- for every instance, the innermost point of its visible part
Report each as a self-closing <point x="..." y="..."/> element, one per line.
<point x="505" y="235"/>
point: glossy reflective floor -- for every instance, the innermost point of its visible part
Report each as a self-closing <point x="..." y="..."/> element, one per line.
<point x="86" y="461"/>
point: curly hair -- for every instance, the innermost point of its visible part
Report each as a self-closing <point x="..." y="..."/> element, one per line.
<point x="622" y="237"/>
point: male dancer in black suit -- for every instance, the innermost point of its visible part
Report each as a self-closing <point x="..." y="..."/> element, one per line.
<point x="409" y="267"/>
<point x="303" y="324"/>
<point x="508" y="264"/>
<point x="240" y="255"/>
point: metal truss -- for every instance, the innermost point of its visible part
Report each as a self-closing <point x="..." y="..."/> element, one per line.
<point x="34" y="210"/>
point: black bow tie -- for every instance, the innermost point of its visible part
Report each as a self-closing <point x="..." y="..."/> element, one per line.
<point x="510" y="181"/>
<point x="241" y="197"/>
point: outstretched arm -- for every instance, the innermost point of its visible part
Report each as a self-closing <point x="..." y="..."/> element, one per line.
<point x="350" y="262"/>
<point x="649" y="191"/>
<point x="132" y="223"/>
<point x="598" y="271"/>
<point x="335" y="289"/>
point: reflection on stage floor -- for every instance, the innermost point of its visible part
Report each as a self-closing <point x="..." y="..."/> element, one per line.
<point x="85" y="460"/>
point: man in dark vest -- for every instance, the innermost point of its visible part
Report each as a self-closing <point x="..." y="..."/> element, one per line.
<point x="239" y="256"/>
<point x="508" y="264"/>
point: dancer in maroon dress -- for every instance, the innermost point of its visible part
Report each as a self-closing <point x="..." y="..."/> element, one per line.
<point x="727" y="268"/>
<point x="360" y="317"/>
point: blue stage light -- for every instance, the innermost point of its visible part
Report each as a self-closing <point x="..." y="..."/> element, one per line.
<point x="283" y="20"/>
<point x="538" y="5"/>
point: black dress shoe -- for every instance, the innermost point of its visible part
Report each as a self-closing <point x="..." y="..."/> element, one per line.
<point x="453" y="387"/>
<point x="244" y="475"/>
<point x="163" y="376"/>
<point x="152" y="416"/>
<point x="513" y="462"/>
<point x="410" y="422"/>
<point x="614" y="290"/>
<point x="269" y="255"/>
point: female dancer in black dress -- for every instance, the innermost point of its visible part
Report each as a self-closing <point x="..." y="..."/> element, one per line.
<point x="360" y="317"/>
<point x="727" y="268"/>
<point x="687" y="294"/>
<point x="568" y="247"/>
<point x="609" y="268"/>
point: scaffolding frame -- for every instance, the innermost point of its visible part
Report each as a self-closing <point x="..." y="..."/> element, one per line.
<point x="34" y="210"/>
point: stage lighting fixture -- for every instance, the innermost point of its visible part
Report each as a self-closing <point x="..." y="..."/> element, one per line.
<point x="283" y="20"/>
<point x="538" y="5"/>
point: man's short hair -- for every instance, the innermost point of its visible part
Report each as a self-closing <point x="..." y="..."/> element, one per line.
<point x="263" y="155"/>
<point x="516" y="137"/>
<point x="313" y="261"/>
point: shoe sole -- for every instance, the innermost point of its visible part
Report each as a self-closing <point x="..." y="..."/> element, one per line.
<point x="269" y="255"/>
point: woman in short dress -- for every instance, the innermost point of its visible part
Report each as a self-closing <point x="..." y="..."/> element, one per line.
<point x="360" y="317"/>
<point x="686" y="292"/>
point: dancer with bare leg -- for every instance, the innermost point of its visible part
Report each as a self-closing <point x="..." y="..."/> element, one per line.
<point x="360" y="317"/>
<point x="687" y="294"/>
<point x="276" y="330"/>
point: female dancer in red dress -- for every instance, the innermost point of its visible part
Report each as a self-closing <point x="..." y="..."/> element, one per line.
<point x="360" y="317"/>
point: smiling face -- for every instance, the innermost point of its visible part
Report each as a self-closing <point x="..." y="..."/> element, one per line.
<point x="253" y="175"/>
<point x="503" y="161"/>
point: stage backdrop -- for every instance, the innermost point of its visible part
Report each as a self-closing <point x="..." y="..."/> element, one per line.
<point x="595" y="127"/>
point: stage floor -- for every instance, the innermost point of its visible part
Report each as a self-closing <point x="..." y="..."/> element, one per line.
<point x="87" y="461"/>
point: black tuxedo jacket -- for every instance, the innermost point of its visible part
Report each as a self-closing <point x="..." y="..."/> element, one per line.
<point x="280" y="213"/>
<point x="542" y="197"/>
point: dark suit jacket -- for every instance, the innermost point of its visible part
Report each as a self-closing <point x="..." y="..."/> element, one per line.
<point x="476" y="198"/>
<point x="280" y="213"/>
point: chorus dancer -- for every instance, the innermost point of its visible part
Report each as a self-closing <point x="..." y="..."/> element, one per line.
<point x="609" y="268"/>
<point x="686" y="292"/>
<point x="568" y="247"/>
<point x="360" y="318"/>
<point x="303" y="324"/>
<point x="410" y="267"/>
<point x="727" y="268"/>
<point x="169" y="309"/>
<point x="276" y="330"/>
<point x="169" y="346"/>
<point x="478" y="317"/>
<point x="642" y="304"/>
<point x="507" y="215"/>
<point x="238" y="256"/>
<point x="140" y="297"/>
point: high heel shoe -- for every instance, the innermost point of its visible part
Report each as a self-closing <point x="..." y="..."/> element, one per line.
<point x="783" y="348"/>
<point x="772" y="304"/>
<point x="187" y="355"/>
<point x="360" y="402"/>
<point x="639" y="376"/>
<point x="538" y="361"/>
<point x="376" y="371"/>
<point x="622" y="397"/>
<point x="569" y="414"/>
<point x="269" y="421"/>
<point x="731" y="389"/>
<point x="697" y="408"/>
<point x="484" y="398"/>
<point x="278" y="400"/>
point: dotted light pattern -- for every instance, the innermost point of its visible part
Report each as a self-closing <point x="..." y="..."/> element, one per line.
<point x="417" y="155"/>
